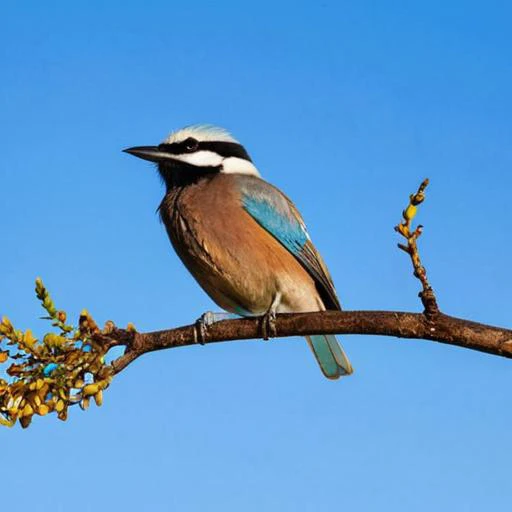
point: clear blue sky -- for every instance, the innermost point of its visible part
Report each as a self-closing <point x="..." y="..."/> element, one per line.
<point x="346" y="106"/>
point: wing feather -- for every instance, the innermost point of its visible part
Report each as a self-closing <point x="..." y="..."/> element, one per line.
<point x="276" y="213"/>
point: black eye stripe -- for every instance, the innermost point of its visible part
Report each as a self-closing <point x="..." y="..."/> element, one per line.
<point x="176" y="148"/>
<point x="225" y="149"/>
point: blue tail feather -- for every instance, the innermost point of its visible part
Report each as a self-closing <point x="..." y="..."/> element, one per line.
<point x="330" y="356"/>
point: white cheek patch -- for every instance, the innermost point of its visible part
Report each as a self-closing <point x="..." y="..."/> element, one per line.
<point x="234" y="165"/>
<point x="200" y="158"/>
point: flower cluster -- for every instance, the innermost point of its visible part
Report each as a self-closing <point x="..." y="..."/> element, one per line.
<point x="64" y="368"/>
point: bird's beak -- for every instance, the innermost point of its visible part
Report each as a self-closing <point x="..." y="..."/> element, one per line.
<point x="151" y="153"/>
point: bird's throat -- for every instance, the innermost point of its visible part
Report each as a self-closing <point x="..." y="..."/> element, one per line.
<point x="179" y="174"/>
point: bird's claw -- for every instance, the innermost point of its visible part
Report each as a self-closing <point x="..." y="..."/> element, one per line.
<point x="201" y="327"/>
<point x="205" y="321"/>
<point x="268" y="325"/>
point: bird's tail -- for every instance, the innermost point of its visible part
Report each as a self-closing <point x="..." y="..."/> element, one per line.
<point x="330" y="356"/>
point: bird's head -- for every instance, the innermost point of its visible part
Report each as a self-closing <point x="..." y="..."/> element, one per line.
<point x="196" y="151"/>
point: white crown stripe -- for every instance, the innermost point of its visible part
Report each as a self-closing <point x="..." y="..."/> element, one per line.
<point x="201" y="132"/>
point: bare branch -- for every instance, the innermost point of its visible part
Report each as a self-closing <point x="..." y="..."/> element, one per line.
<point x="442" y="328"/>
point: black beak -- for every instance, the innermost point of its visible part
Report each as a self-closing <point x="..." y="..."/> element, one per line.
<point x="151" y="153"/>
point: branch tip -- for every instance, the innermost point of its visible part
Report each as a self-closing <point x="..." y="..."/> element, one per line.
<point x="411" y="236"/>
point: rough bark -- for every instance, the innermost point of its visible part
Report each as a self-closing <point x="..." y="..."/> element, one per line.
<point x="437" y="327"/>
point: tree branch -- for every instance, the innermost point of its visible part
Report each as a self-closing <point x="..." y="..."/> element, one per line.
<point x="444" y="329"/>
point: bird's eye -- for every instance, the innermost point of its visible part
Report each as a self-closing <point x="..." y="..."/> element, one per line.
<point x="191" y="144"/>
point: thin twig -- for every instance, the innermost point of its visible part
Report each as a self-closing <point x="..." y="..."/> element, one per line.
<point x="411" y="236"/>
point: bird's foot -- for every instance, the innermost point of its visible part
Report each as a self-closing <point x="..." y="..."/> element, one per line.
<point x="206" y="320"/>
<point x="268" y="320"/>
<point x="268" y="325"/>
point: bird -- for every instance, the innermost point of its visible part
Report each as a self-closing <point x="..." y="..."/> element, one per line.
<point x="240" y="237"/>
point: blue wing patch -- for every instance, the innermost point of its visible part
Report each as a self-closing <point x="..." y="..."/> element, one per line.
<point x="282" y="226"/>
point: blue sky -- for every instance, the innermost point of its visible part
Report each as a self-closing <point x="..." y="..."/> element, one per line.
<point x="346" y="106"/>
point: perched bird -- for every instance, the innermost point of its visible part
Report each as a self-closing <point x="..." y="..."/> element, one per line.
<point x="241" y="238"/>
